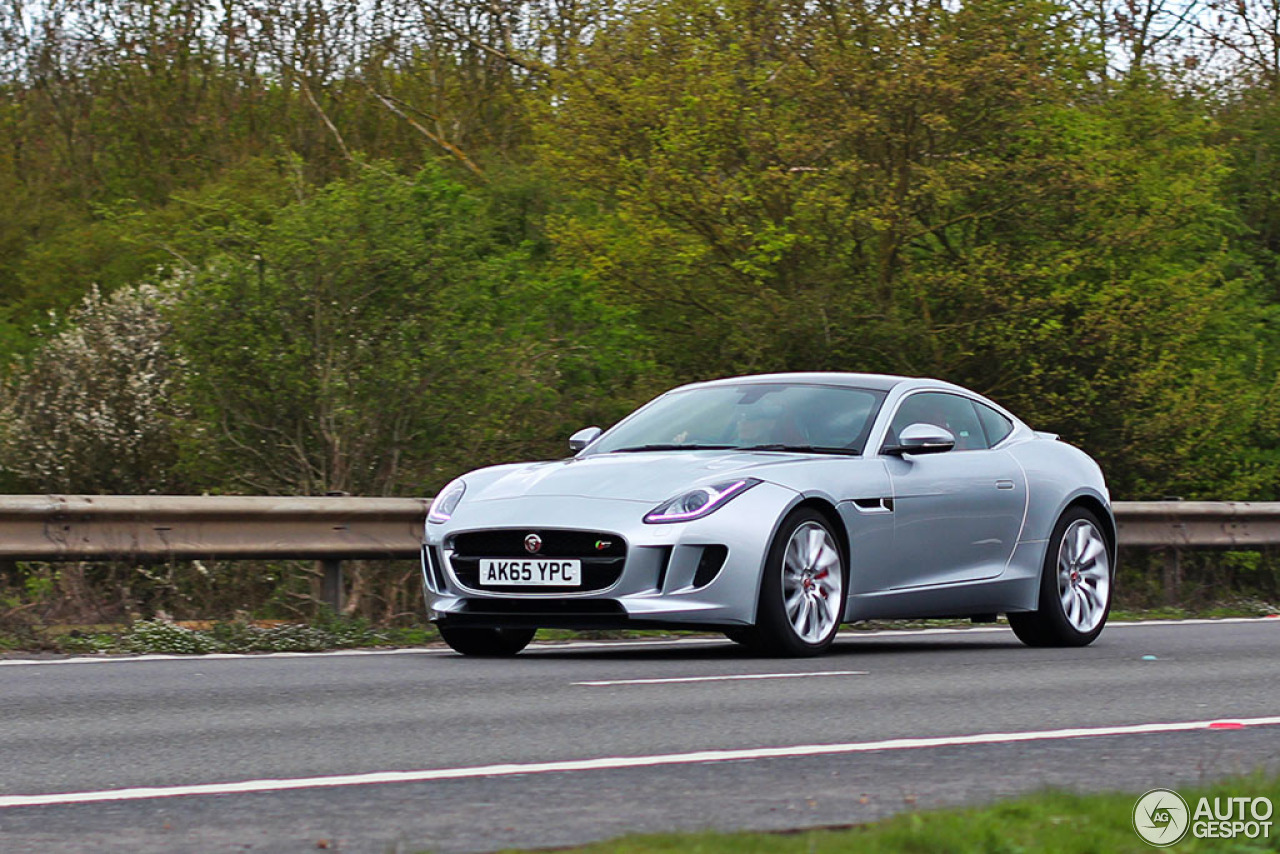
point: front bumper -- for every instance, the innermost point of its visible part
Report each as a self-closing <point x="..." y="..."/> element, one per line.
<point x="673" y="575"/>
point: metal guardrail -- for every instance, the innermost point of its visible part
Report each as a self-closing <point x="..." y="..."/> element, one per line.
<point x="176" y="527"/>
<point x="1198" y="524"/>
<point x="85" y="527"/>
<point x="331" y="529"/>
<point x="1172" y="526"/>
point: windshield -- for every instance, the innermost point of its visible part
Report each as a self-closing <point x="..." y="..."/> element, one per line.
<point x="761" y="416"/>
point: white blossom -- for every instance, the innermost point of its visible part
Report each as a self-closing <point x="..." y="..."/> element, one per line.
<point x="94" y="408"/>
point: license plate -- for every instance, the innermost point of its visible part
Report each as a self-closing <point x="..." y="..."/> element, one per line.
<point x="534" y="572"/>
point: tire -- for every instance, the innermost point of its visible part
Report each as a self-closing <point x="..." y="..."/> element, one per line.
<point x="1075" y="586"/>
<point x="486" y="643"/>
<point x="802" y="594"/>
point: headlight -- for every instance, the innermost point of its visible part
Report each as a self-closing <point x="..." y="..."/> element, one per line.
<point x="699" y="502"/>
<point x="446" y="502"/>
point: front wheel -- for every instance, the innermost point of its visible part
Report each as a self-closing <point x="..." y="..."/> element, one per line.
<point x="803" y="590"/>
<point x="486" y="643"/>
<point x="1075" y="586"/>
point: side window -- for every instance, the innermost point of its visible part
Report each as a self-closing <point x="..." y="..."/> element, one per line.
<point x="995" y="424"/>
<point x="949" y="411"/>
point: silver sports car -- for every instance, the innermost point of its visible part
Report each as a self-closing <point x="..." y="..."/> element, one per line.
<point x="774" y="508"/>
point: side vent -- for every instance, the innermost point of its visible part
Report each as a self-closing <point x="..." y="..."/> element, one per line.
<point x="433" y="567"/>
<point x="709" y="565"/>
<point x="664" y="562"/>
<point x="874" y="505"/>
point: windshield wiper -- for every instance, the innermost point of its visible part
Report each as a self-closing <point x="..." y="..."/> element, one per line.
<point x="669" y="447"/>
<point x="805" y="449"/>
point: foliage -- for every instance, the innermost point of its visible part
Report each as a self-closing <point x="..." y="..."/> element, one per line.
<point x="379" y="335"/>
<point x="367" y="249"/>
<point x="164" y="637"/>
<point x="931" y="198"/>
<point x="160" y="636"/>
<point x="94" y="410"/>
<point x="792" y="189"/>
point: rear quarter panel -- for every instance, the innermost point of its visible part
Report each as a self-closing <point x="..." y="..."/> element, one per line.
<point x="1057" y="475"/>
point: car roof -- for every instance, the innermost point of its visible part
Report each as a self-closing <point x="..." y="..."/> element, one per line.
<point x="876" y="382"/>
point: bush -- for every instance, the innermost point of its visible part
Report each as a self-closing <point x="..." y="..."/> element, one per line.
<point x="94" y="409"/>
<point x="161" y="636"/>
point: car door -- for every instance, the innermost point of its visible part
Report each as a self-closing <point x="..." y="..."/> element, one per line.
<point x="957" y="514"/>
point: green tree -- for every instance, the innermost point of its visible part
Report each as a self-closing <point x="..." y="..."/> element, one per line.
<point x="929" y="190"/>
<point x="381" y="335"/>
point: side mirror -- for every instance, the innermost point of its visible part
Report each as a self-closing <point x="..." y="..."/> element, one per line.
<point x="583" y="437"/>
<point x="922" y="439"/>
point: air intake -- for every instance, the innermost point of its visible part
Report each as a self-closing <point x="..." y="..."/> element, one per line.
<point x="709" y="565"/>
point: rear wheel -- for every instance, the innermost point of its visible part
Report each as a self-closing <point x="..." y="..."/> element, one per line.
<point x="1075" y="586"/>
<point x="486" y="643"/>
<point x="803" y="590"/>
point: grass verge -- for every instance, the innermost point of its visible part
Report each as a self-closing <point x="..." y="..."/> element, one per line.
<point x="329" y="632"/>
<point x="1238" y="608"/>
<point x="160" y="636"/>
<point x="1054" y="822"/>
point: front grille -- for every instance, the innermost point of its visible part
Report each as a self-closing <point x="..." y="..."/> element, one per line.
<point x="602" y="555"/>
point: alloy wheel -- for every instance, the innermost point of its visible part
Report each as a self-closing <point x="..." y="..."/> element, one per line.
<point x="1084" y="575"/>
<point x="812" y="582"/>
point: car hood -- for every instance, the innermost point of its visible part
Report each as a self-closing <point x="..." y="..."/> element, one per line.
<point x="648" y="477"/>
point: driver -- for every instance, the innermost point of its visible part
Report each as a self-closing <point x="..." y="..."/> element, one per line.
<point x="760" y="424"/>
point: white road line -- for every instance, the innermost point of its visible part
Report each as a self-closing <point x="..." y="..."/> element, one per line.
<point x="1272" y="618"/>
<point x="854" y="634"/>
<point x="729" y="678"/>
<point x="617" y="762"/>
<point x="546" y="646"/>
<point x="553" y="646"/>
<point x="214" y="656"/>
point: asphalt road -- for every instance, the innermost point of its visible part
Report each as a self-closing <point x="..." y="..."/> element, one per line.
<point x="499" y="743"/>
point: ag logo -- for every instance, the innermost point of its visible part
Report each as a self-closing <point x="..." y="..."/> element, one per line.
<point x="532" y="543"/>
<point x="1161" y="817"/>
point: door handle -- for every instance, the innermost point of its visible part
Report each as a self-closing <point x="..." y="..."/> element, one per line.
<point x="1004" y="484"/>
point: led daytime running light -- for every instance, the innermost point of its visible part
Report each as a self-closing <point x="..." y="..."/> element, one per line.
<point x="714" y="497"/>
<point x="446" y="502"/>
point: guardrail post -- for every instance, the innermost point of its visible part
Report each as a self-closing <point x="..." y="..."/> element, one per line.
<point x="1171" y="576"/>
<point x="331" y="586"/>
